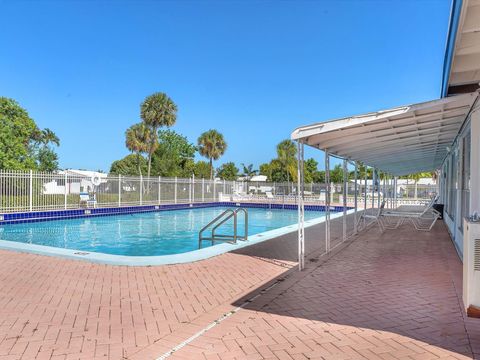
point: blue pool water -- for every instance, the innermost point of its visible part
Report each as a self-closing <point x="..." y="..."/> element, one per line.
<point x="143" y="234"/>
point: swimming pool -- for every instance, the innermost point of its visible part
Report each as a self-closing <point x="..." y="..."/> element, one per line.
<point x="144" y="234"/>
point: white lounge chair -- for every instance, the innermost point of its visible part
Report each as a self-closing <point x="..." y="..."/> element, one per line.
<point x="422" y="220"/>
<point x="240" y="196"/>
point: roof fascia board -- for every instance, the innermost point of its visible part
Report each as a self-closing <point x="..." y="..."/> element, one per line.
<point x="454" y="24"/>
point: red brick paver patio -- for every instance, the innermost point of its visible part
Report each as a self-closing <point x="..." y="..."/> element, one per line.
<point x="378" y="296"/>
<point x="381" y="296"/>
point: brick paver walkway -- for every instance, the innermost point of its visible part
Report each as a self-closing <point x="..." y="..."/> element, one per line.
<point x="54" y="308"/>
<point x="379" y="296"/>
<point x="382" y="296"/>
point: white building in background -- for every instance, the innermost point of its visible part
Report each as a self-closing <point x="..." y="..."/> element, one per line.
<point x="257" y="185"/>
<point x="259" y="178"/>
<point x="254" y="185"/>
<point x="78" y="181"/>
<point x="255" y="178"/>
<point x="424" y="188"/>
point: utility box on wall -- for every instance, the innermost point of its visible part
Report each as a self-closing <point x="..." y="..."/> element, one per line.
<point x="471" y="268"/>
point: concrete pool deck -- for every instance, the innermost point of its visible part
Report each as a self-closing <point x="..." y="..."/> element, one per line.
<point x="377" y="296"/>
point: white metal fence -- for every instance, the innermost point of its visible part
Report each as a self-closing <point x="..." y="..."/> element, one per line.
<point x="37" y="191"/>
<point x="33" y="191"/>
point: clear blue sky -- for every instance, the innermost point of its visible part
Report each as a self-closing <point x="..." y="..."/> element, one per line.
<point x="254" y="70"/>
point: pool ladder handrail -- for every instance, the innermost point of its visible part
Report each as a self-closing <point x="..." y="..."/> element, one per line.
<point x="220" y="220"/>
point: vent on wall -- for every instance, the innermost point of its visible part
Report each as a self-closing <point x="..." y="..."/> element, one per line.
<point x="476" y="255"/>
<point x="471" y="267"/>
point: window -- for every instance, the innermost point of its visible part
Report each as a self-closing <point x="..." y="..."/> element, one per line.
<point x="446" y="184"/>
<point x="465" y="189"/>
<point x="452" y="185"/>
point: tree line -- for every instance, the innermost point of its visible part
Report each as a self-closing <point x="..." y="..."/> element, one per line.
<point x="159" y="151"/>
<point x="23" y="145"/>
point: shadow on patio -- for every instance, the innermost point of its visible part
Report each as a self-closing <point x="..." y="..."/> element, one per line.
<point x="285" y="248"/>
<point x="378" y="296"/>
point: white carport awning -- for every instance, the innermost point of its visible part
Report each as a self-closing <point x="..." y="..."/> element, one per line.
<point x="400" y="141"/>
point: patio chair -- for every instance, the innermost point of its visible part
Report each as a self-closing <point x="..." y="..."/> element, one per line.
<point x="417" y="208"/>
<point x="272" y="198"/>
<point x="421" y="220"/>
<point x="367" y="220"/>
<point x="88" y="200"/>
<point x="240" y="196"/>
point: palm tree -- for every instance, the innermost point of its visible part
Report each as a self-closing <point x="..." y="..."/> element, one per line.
<point x="45" y="137"/>
<point x="48" y="136"/>
<point x="248" y="171"/>
<point x="361" y="170"/>
<point x="286" y="153"/>
<point x="212" y="145"/>
<point x="157" y="110"/>
<point x="137" y="140"/>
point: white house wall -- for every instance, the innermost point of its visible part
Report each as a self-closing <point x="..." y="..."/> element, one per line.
<point x="475" y="162"/>
<point x="53" y="188"/>
<point x="466" y="203"/>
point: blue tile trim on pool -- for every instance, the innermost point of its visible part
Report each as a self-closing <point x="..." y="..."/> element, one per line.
<point x="35" y="216"/>
<point x="187" y="257"/>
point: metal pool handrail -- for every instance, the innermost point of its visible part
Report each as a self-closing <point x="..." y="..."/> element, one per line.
<point x="220" y="220"/>
<point x="235" y="235"/>
<point x="245" y="214"/>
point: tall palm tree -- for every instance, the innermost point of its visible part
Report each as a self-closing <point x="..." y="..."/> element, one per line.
<point x="157" y="110"/>
<point x="286" y="153"/>
<point x="248" y="171"/>
<point x="137" y="140"/>
<point x="212" y="145"/>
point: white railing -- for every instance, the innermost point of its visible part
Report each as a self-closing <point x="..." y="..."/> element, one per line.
<point x="35" y="191"/>
<point x="22" y="191"/>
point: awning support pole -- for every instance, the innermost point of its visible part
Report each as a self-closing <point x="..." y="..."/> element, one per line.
<point x="374" y="180"/>
<point x="345" y="191"/>
<point x="301" y="208"/>
<point x="390" y="190"/>
<point x="395" y="192"/>
<point x="365" y="190"/>
<point x="379" y="188"/>
<point x="386" y="186"/>
<point x="362" y="222"/>
<point x="355" y="201"/>
<point x="383" y="190"/>
<point x="327" y="202"/>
